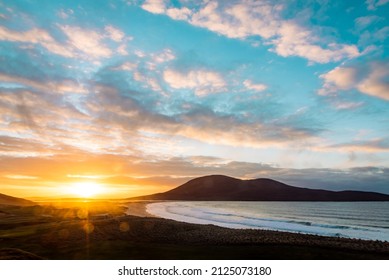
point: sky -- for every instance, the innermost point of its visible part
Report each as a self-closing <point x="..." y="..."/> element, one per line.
<point x="142" y="96"/>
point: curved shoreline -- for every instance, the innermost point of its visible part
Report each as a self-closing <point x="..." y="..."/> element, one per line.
<point x="209" y="240"/>
<point x="203" y="213"/>
<point x="122" y="235"/>
<point x="138" y="208"/>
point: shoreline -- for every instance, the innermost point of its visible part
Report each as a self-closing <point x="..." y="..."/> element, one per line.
<point x="306" y="246"/>
<point x="139" y="208"/>
<point x="133" y="234"/>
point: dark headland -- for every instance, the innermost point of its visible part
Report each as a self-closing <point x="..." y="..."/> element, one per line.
<point x="11" y="200"/>
<point x="224" y="188"/>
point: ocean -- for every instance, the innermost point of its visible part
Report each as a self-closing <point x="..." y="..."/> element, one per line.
<point x="362" y="220"/>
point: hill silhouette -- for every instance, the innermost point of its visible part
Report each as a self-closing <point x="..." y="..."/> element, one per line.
<point x="224" y="188"/>
<point x="15" y="201"/>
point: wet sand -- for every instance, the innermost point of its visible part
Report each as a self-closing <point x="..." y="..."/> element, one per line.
<point x="138" y="208"/>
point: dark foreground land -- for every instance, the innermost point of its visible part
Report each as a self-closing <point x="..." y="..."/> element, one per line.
<point x="103" y="231"/>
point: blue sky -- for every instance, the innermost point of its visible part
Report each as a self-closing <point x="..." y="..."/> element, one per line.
<point x="145" y="95"/>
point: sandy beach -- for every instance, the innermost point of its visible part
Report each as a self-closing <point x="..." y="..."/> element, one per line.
<point x="212" y="235"/>
<point x="138" y="208"/>
<point x="139" y="236"/>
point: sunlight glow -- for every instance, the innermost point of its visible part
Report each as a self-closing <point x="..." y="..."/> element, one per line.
<point x="86" y="189"/>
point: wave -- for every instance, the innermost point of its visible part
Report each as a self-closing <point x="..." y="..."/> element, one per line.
<point x="238" y="217"/>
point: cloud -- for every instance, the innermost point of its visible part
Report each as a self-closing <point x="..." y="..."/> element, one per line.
<point x="156" y="59"/>
<point x="382" y="34"/>
<point x="16" y="146"/>
<point x="40" y="117"/>
<point x="358" y="178"/>
<point x="126" y="66"/>
<point x="340" y="78"/>
<point x="83" y="146"/>
<point x="295" y="40"/>
<point x="126" y="171"/>
<point x="86" y="41"/>
<point x="374" y="4"/>
<point x="151" y="60"/>
<point x="64" y="116"/>
<point x="203" y="82"/>
<point x="114" y="33"/>
<point x="376" y="83"/>
<point x="148" y="81"/>
<point x="363" y="22"/>
<point x="64" y="14"/>
<point x="35" y="36"/>
<point x="372" y="145"/>
<point x="154" y="6"/>
<point x="373" y="39"/>
<point x="164" y="56"/>
<point x="44" y="111"/>
<point x="122" y="49"/>
<point x="123" y="113"/>
<point x="241" y="20"/>
<point x="146" y="68"/>
<point x="371" y="80"/>
<point x="179" y="14"/>
<point x="256" y="87"/>
<point x="159" y="7"/>
<point x="79" y="41"/>
<point x="20" y="177"/>
<point x="344" y="105"/>
<point x="56" y="87"/>
<point x="118" y="36"/>
<point x="68" y="115"/>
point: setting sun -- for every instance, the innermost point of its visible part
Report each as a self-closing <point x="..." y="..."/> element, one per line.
<point x="86" y="189"/>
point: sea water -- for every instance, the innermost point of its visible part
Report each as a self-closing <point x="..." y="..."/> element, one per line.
<point x="362" y="220"/>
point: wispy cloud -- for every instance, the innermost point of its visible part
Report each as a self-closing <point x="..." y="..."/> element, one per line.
<point x="80" y="42"/>
<point x="372" y="145"/>
<point x="58" y="87"/>
<point x="253" y="86"/>
<point x="363" y="22"/>
<point x="37" y="37"/>
<point x="374" y="4"/>
<point x="246" y="19"/>
<point x="347" y="105"/>
<point x="65" y="13"/>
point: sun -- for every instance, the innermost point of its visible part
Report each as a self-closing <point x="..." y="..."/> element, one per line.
<point x="86" y="189"/>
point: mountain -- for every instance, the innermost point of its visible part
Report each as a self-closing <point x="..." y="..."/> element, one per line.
<point x="10" y="200"/>
<point x="224" y="188"/>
